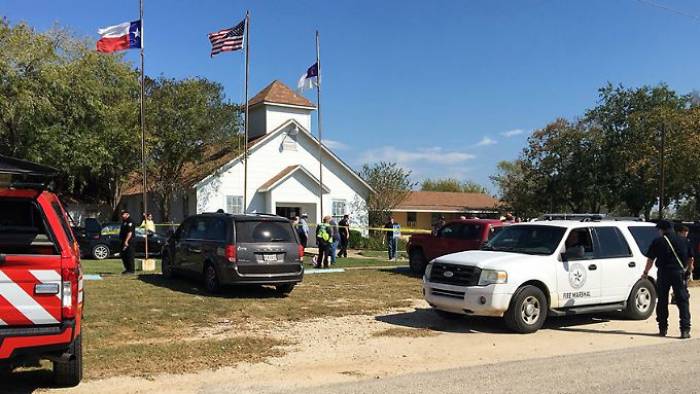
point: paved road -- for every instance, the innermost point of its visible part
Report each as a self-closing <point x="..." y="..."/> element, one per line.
<point x="666" y="368"/>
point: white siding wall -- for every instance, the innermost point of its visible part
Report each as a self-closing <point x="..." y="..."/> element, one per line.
<point x="277" y="115"/>
<point x="267" y="161"/>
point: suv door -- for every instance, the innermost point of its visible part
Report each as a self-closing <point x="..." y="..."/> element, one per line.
<point x="578" y="274"/>
<point x="180" y="245"/>
<point x="194" y="244"/>
<point x="620" y="270"/>
<point x="446" y="241"/>
<point x="30" y="261"/>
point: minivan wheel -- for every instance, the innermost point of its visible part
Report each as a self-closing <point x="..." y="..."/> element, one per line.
<point x="100" y="252"/>
<point x="70" y="373"/>
<point x="527" y="311"/>
<point x="285" y="289"/>
<point x="211" y="279"/>
<point x="641" y="301"/>
<point x="417" y="261"/>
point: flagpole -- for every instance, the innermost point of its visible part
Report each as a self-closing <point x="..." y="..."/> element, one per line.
<point x="143" y="130"/>
<point x="320" y="129"/>
<point x="245" y="142"/>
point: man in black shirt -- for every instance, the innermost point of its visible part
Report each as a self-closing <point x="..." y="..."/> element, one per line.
<point x="344" y="235"/>
<point x="126" y="236"/>
<point x="670" y="252"/>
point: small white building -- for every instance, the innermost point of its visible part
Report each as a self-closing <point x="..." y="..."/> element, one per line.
<point x="283" y="169"/>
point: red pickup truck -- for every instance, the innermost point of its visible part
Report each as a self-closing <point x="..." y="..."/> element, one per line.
<point x="454" y="236"/>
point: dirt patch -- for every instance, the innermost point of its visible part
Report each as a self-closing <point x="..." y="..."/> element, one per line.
<point x="405" y="332"/>
<point x="145" y="360"/>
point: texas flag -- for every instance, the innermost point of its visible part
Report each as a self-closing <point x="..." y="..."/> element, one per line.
<point x="125" y="35"/>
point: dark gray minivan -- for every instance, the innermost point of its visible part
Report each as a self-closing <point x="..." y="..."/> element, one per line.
<point x="228" y="249"/>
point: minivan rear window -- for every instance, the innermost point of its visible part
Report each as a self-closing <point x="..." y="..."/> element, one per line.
<point x="643" y="235"/>
<point x="264" y="231"/>
<point x="22" y="228"/>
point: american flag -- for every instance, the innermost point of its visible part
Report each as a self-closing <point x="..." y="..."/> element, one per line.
<point x="227" y="39"/>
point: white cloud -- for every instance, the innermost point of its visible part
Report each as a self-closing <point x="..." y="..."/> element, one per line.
<point x="512" y="133"/>
<point x="434" y="155"/>
<point x="486" y="141"/>
<point x="334" y="145"/>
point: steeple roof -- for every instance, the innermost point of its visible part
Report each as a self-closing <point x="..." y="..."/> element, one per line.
<point x="279" y="93"/>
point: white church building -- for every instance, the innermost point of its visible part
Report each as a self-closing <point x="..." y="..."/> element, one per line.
<point x="283" y="170"/>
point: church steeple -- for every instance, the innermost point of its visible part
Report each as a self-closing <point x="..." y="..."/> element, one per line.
<point x="274" y="105"/>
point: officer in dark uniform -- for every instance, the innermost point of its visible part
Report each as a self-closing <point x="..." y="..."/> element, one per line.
<point x="671" y="255"/>
<point x="126" y="236"/>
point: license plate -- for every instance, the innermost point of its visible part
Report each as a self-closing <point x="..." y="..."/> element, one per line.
<point x="269" y="257"/>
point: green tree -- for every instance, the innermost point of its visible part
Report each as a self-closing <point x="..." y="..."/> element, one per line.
<point x="516" y="188"/>
<point x="64" y="105"/>
<point x="631" y="122"/>
<point x="452" y="185"/>
<point x="391" y="184"/>
<point x="185" y="119"/>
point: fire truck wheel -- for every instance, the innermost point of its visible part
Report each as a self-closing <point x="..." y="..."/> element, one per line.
<point x="70" y="373"/>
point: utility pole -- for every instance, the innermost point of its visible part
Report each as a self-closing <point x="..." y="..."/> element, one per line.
<point x="662" y="186"/>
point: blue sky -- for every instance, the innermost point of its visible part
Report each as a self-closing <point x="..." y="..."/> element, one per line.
<point x="445" y="88"/>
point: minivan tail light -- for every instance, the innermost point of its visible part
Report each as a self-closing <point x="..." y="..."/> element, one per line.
<point x="230" y="253"/>
<point x="69" y="292"/>
<point x="301" y="252"/>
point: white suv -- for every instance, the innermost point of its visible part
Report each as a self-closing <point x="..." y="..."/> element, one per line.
<point x="530" y="271"/>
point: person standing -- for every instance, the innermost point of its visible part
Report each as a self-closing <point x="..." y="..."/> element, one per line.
<point x="126" y="237"/>
<point x="670" y="254"/>
<point x="303" y="230"/>
<point x="148" y="224"/>
<point x="392" y="228"/>
<point x="335" y="239"/>
<point x="323" y="241"/>
<point x="344" y="235"/>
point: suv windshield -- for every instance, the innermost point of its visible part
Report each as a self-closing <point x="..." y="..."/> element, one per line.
<point x="264" y="231"/>
<point x="529" y="239"/>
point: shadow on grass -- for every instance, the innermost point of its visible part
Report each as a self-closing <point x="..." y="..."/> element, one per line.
<point x="192" y="286"/>
<point x="428" y="318"/>
<point x="26" y="381"/>
<point x="404" y="271"/>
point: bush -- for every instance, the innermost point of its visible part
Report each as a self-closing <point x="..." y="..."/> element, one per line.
<point x="376" y="241"/>
<point x="357" y="241"/>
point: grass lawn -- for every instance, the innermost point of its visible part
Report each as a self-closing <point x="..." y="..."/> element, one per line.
<point x="144" y="324"/>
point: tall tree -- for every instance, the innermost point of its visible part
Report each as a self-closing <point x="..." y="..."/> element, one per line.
<point x="632" y="121"/>
<point x="452" y="185"/>
<point x="64" y="105"/>
<point x="391" y="184"/>
<point x="185" y="118"/>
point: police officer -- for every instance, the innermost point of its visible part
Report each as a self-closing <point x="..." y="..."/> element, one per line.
<point x="671" y="255"/>
<point x="126" y="236"/>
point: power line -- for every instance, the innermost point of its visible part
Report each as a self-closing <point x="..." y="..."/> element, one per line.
<point x="669" y="9"/>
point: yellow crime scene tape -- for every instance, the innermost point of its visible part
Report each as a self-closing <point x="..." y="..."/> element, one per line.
<point x="356" y="228"/>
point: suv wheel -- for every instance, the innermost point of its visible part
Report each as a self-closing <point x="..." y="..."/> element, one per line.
<point x="416" y="260"/>
<point x="166" y="266"/>
<point x="70" y="373"/>
<point x="211" y="279"/>
<point x="527" y="311"/>
<point x="285" y="289"/>
<point x="100" y="252"/>
<point x="641" y="302"/>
